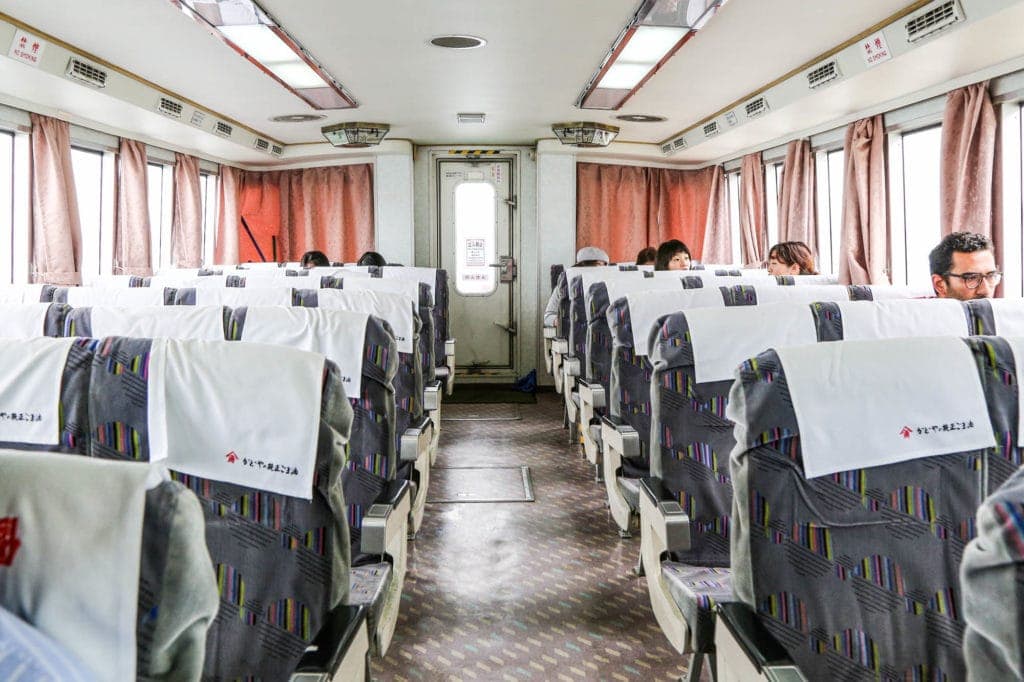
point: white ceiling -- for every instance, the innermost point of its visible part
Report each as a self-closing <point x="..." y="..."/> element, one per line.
<point x="538" y="56"/>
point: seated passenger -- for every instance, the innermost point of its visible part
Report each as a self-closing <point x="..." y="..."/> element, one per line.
<point x="647" y="256"/>
<point x="588" y="256"/>
<point x="371" y="258"/>
<point x="672" y="255"/>
<point x="791" y="258"/>
<point x="314" y="259"/>
<point x="963" y="267"/>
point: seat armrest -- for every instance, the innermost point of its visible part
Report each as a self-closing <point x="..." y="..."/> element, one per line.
<point x="560" y="346"/>
<point x="612" y="421"/>
<point x="571" y="366"/>
<point x="339" y="650"/>
<point x="754" y="639"/>
<point x="386" y="518"/>
<point x="592" y="392"/>
<point x="416" y="440"/>
<point x="432" y="395"/>
<point x="550" y="332"/>
<point x="620" y="436"/>
<point x="449" y="347"/>
<point x="671" y="522"/>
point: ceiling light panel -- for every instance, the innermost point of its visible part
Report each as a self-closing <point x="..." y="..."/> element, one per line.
<point x="624" y="76"/>
<point x="250" y="31"/>
<point x="649" y="44"/>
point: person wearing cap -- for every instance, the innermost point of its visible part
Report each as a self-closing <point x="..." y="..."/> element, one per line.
<point x="588" y="256"/>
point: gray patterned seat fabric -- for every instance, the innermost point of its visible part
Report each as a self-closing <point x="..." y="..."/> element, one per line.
<point x="855" y="573"/>
<point x="983" y="321"/>
<point x="273" y="600"/>
<point x="992" y="578"/>
<point x="998" y="372"/>
<point x="78" y="321"/>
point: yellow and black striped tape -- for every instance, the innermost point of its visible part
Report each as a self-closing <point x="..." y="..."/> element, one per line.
<point x="474" y="152"/>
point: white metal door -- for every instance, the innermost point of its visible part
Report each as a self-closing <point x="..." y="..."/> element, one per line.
<point x="475" y="204"/>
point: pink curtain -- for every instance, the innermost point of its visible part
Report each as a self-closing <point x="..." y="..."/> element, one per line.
<point x="971" y="173"/>
<point x="865" y="231"/>
<point x="798" y="216"/>
<point x="226" y="246"/>
<point x="131" y="232"/>
<point x="328" y="209"/>
<point x="717" y="232"/>
<point x="187" y="222"/>
<point x="753" y="224"/>
<point x="56" y="230"/>
<point x="623" y="209"/>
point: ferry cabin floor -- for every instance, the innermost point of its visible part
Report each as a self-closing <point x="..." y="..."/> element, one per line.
<point x="541" y="590"/>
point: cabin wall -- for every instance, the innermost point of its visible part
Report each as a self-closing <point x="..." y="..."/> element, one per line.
<point x="393" y="206"/>
<point x="556" y="215"/>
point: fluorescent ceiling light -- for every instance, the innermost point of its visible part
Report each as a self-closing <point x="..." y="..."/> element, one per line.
<point x="260" y="42"/>
<point x="650" y="44"/>
<point x="297" y="74"/>
<point x="624" y="76"/>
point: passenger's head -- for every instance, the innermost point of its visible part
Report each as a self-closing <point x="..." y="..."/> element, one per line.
<point x="964" y="267"/>
<point x="591" y="255"/>
<point x="672" y="255"/>
<point x="371" y="258"/>
<point x="314" y="259"/>
<point x="647" y="256"/>
<point x="791" y="258"/>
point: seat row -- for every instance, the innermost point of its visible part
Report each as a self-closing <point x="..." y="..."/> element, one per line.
<point x="223" y="484"/>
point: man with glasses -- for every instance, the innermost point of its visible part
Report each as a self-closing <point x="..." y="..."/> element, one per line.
<point x="964" y="267"/>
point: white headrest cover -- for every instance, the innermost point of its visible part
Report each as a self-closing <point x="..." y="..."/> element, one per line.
<point x="31" y="372"/>
<point x="235" y="297"/>
<point x="23" y="320"/>
<point x="902" y="317"/>
<point x="169" y="321"/>
<point x="395" y="309"/>
<point x="723" y="338"/>
<point x="242" y="413"/>
<point x="804" y="294"/>
<point x="645" y="308"/>
<point x="869" y="403"/>
<point x="1008" y="314"/>
<point x="80" y="297"/>
<point x="80" y="588"/>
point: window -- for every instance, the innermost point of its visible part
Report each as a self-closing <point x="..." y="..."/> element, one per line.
<point x="772" y="189"/>
<point x="6" y="207"/>
<point x="208" y="194"/>
<point x="829" y="168"/>
<point x="475" y="236"/>
<point x="159" y="186"/>
<point x="733" y="184"/>
<point x="920" y="210"/>
<point x="87" y="166"/>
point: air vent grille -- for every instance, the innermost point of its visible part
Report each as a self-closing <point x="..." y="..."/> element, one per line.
<point x="197" y="118"/>
<point x="938" y="18"/>
<point x="826" y="73"/>
<point x="261" y="144"/>
<point x="223" y="129"/>
<point x="276" y="149"/>
<point x="680" y="143"/>
<point x="711" y="129"/>
<point x="85" y="72"/>
<point x="756" y="107"/>
<point x="666" y="148"/>
<point x="168" y="107"/>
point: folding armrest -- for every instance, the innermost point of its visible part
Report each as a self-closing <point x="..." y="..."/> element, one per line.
<point x="664" y="527"/>
<point x="618" y="440"/>
<point x="570" y="372"/>
<point x="746" y="650"/>
<point x="549" y="337"/>
<point x="432" y="406"/>
<point x="340" y="651"/>
<point x="383" y="532"/>
<point x="415" y="447"/>
<point x="449" y="363"/>
<point x="592" y="397"/>
<point x="559" y="349"/>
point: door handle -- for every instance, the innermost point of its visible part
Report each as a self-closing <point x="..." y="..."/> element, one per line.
<point x="507" y="268"/>
<point x="511" y="330"/>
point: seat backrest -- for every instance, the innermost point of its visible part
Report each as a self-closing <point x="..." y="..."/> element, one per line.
<point x="152" y="621"/>
<point x="992" y="579"/>
<point x="27" y="293"/>
<point x="1002" y="316"/>
<point x="438" y="281"/>
<point x="555" y="273"/>
<point x="29" y="320"/>
<point x="273" y="501"/>
<point x="747" y="294"/>
<point x="579" y="301"/>
<point x="850" y="523"/>
<point x="372" y="447"/>
<point x="801" y="280"/>
<point x="235" y="296"/>
<point x="181" y="322"/>
<point x="890" y="319"/>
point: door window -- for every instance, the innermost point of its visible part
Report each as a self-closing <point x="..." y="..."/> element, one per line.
<point x="475" y="233"/>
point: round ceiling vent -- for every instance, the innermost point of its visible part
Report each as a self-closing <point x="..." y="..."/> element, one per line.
<point x="640" y="118"/>
<point x="297" y="118"/>
<point x="458" y="42"/>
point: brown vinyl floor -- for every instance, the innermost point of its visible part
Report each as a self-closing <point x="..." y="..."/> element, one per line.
<point x="539" y="590"/>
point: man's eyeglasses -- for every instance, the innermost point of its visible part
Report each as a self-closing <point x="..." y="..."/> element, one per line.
<point x="972" y="280"/>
